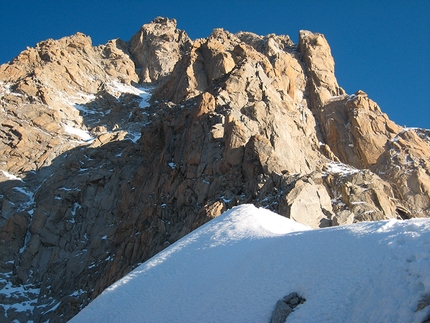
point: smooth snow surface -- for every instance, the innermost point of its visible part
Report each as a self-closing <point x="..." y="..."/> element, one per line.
<point x="236" y="267"/>
<point x="85" y="135"/>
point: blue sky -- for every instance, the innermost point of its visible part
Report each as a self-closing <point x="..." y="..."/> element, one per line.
<point x="381" y="47"/>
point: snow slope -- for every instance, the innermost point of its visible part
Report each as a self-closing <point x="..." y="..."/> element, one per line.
<point x="236" y="267"/>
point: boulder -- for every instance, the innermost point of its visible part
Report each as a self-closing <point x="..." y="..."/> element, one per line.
<point x="285" y="306"/>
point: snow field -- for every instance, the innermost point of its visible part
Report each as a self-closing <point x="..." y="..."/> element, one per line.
<point x="236" y="267"/>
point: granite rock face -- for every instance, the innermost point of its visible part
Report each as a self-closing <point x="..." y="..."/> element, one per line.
<point x="96" y="177"/>
<point x="156" y="48"/>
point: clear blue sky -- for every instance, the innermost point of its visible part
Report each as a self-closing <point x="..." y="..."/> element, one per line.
<point x="379" y="46"/>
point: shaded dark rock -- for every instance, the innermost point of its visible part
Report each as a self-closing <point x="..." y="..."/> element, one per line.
<point x="285" y="306"/>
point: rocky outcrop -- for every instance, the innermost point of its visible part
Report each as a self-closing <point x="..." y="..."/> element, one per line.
<point x="405" y="164"/>
<point x="96" y="180"/>
<point x="308" y="202"/>
<point x="156" y="48"/>
<point x="361" y="196"/>
<point x="356" y="132"/>
<point x="285" y="306"/>
<point x="43" y="92"/>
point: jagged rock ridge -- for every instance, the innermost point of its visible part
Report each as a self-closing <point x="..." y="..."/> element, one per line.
<point x="233" y="119"/>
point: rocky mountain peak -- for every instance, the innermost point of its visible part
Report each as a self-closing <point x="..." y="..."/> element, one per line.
<point x="156" y="48"/>
<point x="110" y="153"/>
